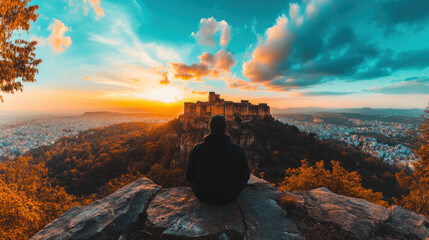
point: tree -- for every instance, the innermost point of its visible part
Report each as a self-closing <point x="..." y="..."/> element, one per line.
<point x="19" y="216"/>
<point x="28" y="200"/>
<point x="418" y="181"/>
<point x="18" y="61"/>
<point x="339" y="180"/>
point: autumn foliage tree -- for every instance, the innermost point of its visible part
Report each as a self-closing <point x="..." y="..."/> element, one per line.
<point x="18" y="61"/>
<point x="338" y="180"/>
<point x="418" y="181"/>
<point x="28" y="201"/>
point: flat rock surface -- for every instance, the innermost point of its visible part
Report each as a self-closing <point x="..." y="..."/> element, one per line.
<point x="263" y="217"/>
<point x="357" y="216"/>
<point x="105" y="218"/>
<point x="177" y="213"/>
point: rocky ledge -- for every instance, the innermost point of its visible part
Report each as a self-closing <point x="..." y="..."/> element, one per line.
<point x="142" y="210"/>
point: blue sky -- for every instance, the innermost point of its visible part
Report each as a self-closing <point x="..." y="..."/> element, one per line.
<point x="325" y="53"/>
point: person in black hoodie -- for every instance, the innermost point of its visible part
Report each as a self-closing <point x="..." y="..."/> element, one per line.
<point x="217" y="168"/>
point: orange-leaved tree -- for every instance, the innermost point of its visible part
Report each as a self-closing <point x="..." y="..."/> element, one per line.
<point x="18" y="61"/>
<point x="28" y="201"/>
<point x="338" y="180"/>
<point x="418" y="181"/>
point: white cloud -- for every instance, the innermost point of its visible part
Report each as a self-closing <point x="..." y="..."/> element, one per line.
<point x="226" y="33"/>
<point x="295" y="13"/>
<point x="209" y="28"/>
<point x="57" y="39"/>
<point x="129" y="77"/>
<point x="166" y="53"/>
<point x="104" y="40"/>
<point x="40" y="40"/>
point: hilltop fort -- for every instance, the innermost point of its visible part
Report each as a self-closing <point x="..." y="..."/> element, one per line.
<point x="231" y="110"/>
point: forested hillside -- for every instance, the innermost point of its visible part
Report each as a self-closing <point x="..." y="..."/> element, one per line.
<point x="86" y="163"/>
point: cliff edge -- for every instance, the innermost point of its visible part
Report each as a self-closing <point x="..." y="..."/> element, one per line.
<point x="143" y="210"/>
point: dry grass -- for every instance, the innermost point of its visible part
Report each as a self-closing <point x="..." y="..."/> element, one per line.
<point x="289" y="200"/>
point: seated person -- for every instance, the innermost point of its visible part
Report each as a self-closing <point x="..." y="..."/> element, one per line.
<point x="217" y="168"/>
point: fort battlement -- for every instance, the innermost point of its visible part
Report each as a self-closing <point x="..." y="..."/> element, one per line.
<point x="231" y="110"/>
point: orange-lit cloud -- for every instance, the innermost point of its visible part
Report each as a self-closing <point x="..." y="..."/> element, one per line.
<point x="95" y="4"/>
<point x="242" y="84"/>
<point x="265" y="57"/>
<point x="224" y="60"/>
<point x="211" y="66"/>
<point x="164" y="80"/>
<point x="200" y="92"/>
<point x="187" y="72"/>
<point x="209" y="27"/>
<point x="57" y="39"/>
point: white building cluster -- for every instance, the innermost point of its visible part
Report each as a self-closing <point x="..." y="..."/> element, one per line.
<point x="399" y="154"/>
<point x="19" y="137"/>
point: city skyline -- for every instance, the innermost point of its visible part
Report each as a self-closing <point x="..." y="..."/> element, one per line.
<point x="149" y="56"/>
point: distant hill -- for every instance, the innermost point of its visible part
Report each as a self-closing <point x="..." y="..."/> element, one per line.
<point x="122" y="114"/>
<point x="412" y="112"/>
<point x="342" y="118"/>
<point x="97" y="113"/>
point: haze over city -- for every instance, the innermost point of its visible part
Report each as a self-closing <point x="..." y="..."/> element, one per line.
<point x="142" y="56"/>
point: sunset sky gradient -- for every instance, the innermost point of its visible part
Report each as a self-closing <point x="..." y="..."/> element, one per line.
<point x="135" y="55"/>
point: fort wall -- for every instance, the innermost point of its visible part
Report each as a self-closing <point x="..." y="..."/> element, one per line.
<point x="231" y="110"/>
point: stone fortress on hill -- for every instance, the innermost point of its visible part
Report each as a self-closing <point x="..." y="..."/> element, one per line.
<point x="231" y="110"/>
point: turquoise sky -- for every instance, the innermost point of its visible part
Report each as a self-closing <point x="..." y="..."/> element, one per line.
<point x="326" y="53"/>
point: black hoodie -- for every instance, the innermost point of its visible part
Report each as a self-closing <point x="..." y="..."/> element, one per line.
<point x="217" y="169"/>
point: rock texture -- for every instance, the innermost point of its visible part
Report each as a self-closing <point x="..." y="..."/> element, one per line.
<point x="406" y="224"/>
<point x="141" y="210"/>
<point x="264" y="218"/>
<point x="108" y="218"/>
<point x="175" y="212"/>
<point x="353" y="215"/>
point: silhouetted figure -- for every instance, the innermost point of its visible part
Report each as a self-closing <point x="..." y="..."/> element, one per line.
<point x="217" y="168"/>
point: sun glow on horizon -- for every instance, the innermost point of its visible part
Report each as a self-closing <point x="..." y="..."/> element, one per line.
<point x="168" y="94"/>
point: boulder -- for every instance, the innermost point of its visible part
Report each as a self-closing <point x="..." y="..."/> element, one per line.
<point x="406" y="224"/>
<point x="356" y="216"/>
<point x="263" y="217"/>
<point x="177" y="213"/>
<point x="107" y="218"/>
<point x="141" y="210"/>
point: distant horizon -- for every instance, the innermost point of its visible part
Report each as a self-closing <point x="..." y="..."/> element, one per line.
<point x="81" y="112"/>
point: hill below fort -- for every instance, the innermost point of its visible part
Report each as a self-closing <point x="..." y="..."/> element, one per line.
<point x="88" y="163"/>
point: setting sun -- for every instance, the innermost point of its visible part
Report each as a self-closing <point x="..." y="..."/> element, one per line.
<point x="167" y="94"/>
